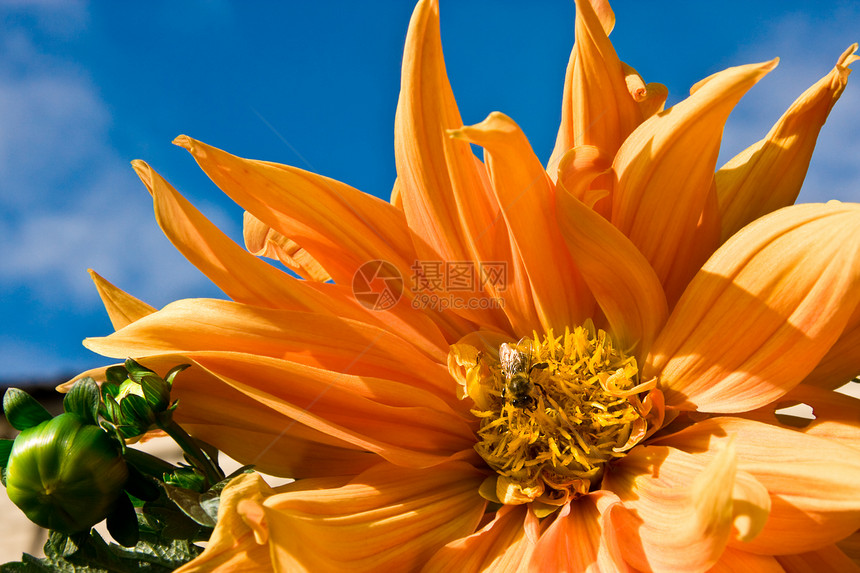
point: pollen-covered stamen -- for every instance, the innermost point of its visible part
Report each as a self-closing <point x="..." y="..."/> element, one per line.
<point x="582" y="410"/>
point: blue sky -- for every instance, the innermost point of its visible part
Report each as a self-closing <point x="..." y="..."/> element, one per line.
<point x="87" y="87"/>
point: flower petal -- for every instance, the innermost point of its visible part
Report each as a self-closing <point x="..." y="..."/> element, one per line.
<point x="237" y="425"/>
<point x="502" y="546"/>
<point x="627" y="290"/>
<point x="386" y="519"/>
<point x="579" y="540"/>
<point x="837" y="416"/>
<point x="598" y="108"/>
<point x="214" y="325"/>
<point x="122" y="308"/>
<point x="248" y="279"/>
<point x="402" y="424"/>
<point x="526" y="196"/>
<point x="252" y="281"/>
<point x="233" y="546"/>
<point x="762" y="311"/>
<point x="665" y="172"/>
<point x="341" y="227"/>
<point x="829" y="558"/>
<point x="736" y="561"/>
<point x="768" y="175"/>
<point x="841" y="362"/>
<point x="446" y="200"/>
<point x="263" y="241"/>
<point x="814" y="483"/>
<point x="679" y="508"/>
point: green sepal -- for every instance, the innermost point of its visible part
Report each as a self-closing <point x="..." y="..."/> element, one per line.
<point x="136" y="372"/>
<point x="156" y="392"/>
<point x="3" y="476"/>
<point x="111" y="409"/>
<point x="171" y="374"/>
<point x="122" y="522"/>
<point x="5" y="449"/>
<point x="115" y="375"/>
<point x="22" y="410"/>
<point x="136" y="413"/>
<point x="83" y="400"/>
<point x="115" y="433"/>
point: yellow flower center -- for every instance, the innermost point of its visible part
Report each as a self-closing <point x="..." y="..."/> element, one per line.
<point x="553" y="411"/>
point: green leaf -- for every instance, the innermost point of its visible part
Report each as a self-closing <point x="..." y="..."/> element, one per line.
<point x="156" y="392"/>
<point x="189" y="502"/>
<point x="83" y="400"/>
<point x="90" y="554"/>
<point x="5" y="450"/>
<point x="22" y="410"/>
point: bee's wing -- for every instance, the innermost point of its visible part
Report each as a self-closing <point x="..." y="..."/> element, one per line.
<point x="511" y="359"/>
<point x="525" y="345"/>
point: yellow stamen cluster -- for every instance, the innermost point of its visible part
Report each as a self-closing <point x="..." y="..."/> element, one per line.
<point x="583" y="411"/>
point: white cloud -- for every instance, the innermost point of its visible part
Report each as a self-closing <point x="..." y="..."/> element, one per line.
<point x="808" y="49"/>
<point x="68" y="202"/>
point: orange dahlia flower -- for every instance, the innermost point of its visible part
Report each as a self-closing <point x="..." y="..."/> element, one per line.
<point x="564" y="369"/>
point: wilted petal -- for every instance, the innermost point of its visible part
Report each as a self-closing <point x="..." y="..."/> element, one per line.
<point x="386" y="519"/>
<point x="526" y="196"/>
<point x="768" y="175"/>
<point x="814" y="483"/>
<point x="263" y="241"/>
<point x="502" y="546"/>
<point x="762" y="312"/>
<point x="679" y="509"/>
<point x="665" y="170"/>
<point x="122" y="308"/>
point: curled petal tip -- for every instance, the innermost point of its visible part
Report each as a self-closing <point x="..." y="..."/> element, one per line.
<point x="848" y="57"/>
<point x="184" y="141"/>
<point x="144" y="171"/>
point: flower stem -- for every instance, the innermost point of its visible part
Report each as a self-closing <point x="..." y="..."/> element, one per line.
<point x="211" y="472"/>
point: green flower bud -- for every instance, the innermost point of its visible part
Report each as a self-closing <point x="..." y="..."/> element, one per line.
<point x="64" y="474"/>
